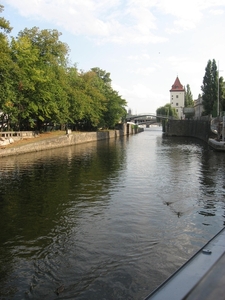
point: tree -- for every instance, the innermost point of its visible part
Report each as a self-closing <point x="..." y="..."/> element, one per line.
<point x="166" y="111"/>
<point x="7" y="93"/>
<point x="188" y="100"/>
<point x="25" y="72"/>
<point x="37" y="87"/>
<point x="77" y="98"/>
<point x="4" y="24"/>
<point x="210" y="88"/>
<point x="115" y="105"/>
<point x="96" y="100"/>
<point x="116" y="111"/>
<point x="103" y="75"/>
<point x="86" y="100"/>
<point x="222" y="94"/>
<point x="51" y="50"/>
<point x="42" y="60"/>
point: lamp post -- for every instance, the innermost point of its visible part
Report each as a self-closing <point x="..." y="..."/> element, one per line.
<point x="181" y="112"/>
<point x="218" y="96"/>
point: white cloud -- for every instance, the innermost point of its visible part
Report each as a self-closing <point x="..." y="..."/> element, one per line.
<point x="117" y="21"/>
<point x="139" y="57"/>
<point x="104" y="21"/>
<point x="188" y="14"/>
<point x="128" y="21"/>
<point x="142" y="98"/>
<point x="144" y="71"/>
<point x="136" y="27"/>
<point x="217" y="12"/>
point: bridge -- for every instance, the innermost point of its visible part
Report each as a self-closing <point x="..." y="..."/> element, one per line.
<point x="146" y="118"/>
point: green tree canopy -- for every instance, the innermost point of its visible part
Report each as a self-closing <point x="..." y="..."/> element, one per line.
<point x="50" y="49"/>
<point x="4" y="24"/>
<point x="103" y="75"/>
<point x="41" y="61"/>
<point x="115" y="105"/>
<point x="222" y="94"/>
<point x="7" y="92"/>
<point x="188" y="100"/>
<point x="116" y="111"/>
<point x="39" y="87"/>
<point x="210" y="88"/>
<point x="166" y="111"/>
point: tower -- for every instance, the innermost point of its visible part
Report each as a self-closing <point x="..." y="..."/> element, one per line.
<point x="177" y="94"/>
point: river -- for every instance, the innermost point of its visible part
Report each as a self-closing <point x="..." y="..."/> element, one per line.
<point x="107" y="220"/>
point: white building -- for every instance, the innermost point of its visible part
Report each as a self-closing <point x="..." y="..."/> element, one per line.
<point x="177" y="96"/>
<point x="198" y="107"/>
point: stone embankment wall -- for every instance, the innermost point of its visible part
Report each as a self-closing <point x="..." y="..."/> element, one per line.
<point x="69" y="139"/>
<point x="192" y="128"/>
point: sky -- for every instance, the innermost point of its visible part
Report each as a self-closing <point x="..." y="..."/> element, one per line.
<point x="143" y="44"/>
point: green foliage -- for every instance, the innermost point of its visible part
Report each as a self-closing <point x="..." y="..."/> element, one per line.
<point x="222" y="94"/>
<point x="7" y="92"/>
<point x="116" y="111"/>
<point x="188" y="101"/>
<point x="166" y="111"/>
<point x="210" y="88"/>
<point x="103" y="75"/>
<point x="37" y="87"/>
<point x="4" y="24"/>
<point x="95" y="105"/>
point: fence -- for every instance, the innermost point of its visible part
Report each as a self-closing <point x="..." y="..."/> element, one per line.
<point x="17" y="134"/>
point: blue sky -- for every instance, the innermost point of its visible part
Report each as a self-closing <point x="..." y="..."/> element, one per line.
<point x="143" y="44"/>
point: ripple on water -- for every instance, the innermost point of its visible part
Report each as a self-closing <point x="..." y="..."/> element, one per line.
<point x="106" y="220"/>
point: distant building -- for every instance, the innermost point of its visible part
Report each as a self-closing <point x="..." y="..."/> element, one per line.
<point x="129" y="111"/>
<point x="177" y="96"/>
<point x="198" y="107"/>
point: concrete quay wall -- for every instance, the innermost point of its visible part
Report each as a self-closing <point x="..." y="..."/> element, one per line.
<point x="67" y="140"/>
<point x="200" y="129"/>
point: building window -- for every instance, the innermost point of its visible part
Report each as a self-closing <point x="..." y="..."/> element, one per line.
<point x="176" y="104"/>
<point x="177" y="96"/>
<point x="177" y="110"/>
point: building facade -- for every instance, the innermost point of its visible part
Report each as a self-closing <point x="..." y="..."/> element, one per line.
<point x="177" y="97"/>
<point x="198" y="107"/>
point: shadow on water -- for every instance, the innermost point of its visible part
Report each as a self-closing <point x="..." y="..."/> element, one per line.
<point x="42" y="198"/>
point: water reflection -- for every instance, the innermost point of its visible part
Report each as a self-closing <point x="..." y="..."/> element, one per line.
<point x="106" y="220"/>
<point x="43" y="194"/>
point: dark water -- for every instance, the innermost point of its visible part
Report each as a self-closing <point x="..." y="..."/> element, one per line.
<point x="108" y="220"/>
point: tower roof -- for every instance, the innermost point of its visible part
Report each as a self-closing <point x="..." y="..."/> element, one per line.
<point x="177" y="86"/>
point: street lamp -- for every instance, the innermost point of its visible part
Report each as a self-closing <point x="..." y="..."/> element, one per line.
<point x="218" y="98"/>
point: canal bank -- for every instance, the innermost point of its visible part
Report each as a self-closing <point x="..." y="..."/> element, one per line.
<point x="67" y="139"/>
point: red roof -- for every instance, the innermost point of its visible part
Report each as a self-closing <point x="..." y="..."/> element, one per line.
<point x="177" y="86"/>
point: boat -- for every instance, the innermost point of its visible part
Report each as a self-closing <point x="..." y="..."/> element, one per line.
<point x="201" y="277"/>
<point x="218" y="128"/>
<point x="217" y="145"/>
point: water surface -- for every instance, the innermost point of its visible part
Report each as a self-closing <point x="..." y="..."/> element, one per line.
<point x="108" y="220"/>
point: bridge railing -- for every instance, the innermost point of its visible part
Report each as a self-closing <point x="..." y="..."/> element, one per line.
<point x="166" y="117"/>
<point x="149" y="116"/>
